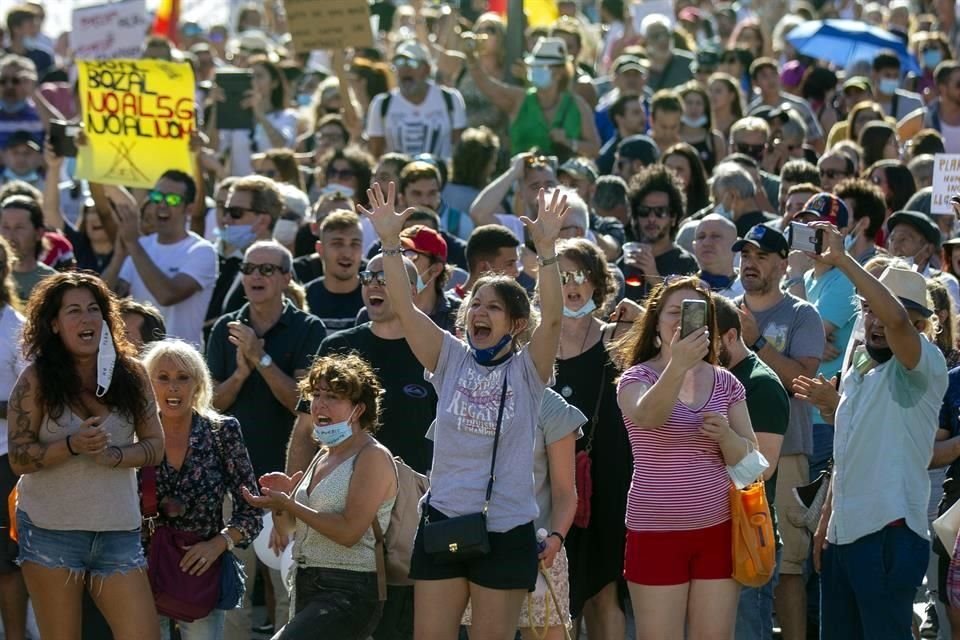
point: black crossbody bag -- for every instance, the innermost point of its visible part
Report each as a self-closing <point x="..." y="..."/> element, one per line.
<point x="464" y="537"/>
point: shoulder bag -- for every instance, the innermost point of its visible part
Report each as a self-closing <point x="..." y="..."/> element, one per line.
<point x="584" y="466"/>
<point x="464" y="537"/>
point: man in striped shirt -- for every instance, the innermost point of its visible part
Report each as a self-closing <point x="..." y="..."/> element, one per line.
<point x="18" y="75"/>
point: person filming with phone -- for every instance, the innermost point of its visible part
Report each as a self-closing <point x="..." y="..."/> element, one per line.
<point x="687" y="421"/>
<point x="871" y="545"/>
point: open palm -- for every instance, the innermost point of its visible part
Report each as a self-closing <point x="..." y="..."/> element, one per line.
<point x="545" y="230"/>
<point x="387" y="222"/>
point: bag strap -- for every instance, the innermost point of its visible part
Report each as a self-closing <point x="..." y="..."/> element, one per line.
<point x="149" y="507"/>
<point x="496" y="443"/>
<point x="381" y="558"/>
<point x="596" y="409"/>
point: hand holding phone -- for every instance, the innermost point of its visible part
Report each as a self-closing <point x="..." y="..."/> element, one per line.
<point x="693" y="316"/>
<point x="805" y="238"/>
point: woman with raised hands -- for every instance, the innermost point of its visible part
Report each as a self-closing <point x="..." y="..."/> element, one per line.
<point x="490" y="387"/>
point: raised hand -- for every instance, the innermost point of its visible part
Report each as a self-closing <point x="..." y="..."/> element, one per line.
<point x="819" y="392"/>
<point x="387" y="222"/>
<point x="545" y="230"/>
<point x="832" y="251"/>
<point x="686" y="352"/>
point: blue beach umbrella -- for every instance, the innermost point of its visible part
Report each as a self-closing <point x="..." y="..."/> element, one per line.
<point x="845" y="41"/>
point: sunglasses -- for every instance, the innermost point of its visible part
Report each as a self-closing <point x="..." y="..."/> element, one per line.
<point x="238" y="212"/>
<point x="578" y="277"/>
<point x="366" y="278"/>
<point x="645" y="212"/>
<point x="408" y="63"/>
<point x="342" y="174"/>
<point x="10" y="80"/>
<point x="265" y="269"/>
<point x="172" y="199"/>
<point x="752" y="150"/>
<point x="832" y="174"/>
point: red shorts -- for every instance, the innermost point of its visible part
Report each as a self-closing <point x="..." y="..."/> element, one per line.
<point x="662" y="558"/>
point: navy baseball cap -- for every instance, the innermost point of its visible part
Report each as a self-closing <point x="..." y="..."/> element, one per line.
<point x="766" y="239"/>
<point x="827" y="207"/>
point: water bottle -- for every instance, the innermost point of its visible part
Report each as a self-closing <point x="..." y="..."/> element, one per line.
<point x="541" y="589"/>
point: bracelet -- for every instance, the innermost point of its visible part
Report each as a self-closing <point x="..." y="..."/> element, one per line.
<point x="391" y="252"/>
<point x="230" y="543"/>
<point x="70" y="448"/>
<point x="546" y="262"/>
<point x="120" y="451"/>
<point x="558" y="535"/>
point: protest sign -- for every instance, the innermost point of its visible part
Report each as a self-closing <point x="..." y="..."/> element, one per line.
<point x="112" y="30"/>
<point x="946" y="181"/>
<point x="329" y="24"/>
<point x="138" y="116"/>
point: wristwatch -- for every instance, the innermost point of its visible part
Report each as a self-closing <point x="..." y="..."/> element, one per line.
<point x="265" y="361"/>
<point x="759" y="344"/>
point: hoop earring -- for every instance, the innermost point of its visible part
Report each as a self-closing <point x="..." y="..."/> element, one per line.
<point x="657" y="342"/>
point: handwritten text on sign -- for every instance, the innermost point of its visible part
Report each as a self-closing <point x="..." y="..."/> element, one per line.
<point x="138" y="116"/>
<point x="112" y="30"/>
<point x="946" y="182"/>
<point x="329" y="24"/>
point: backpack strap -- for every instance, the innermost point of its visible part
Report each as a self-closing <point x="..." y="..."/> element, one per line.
<point x="447" y="100"/>
<point x="385" y="105"/>
<point x="380" y="546"/>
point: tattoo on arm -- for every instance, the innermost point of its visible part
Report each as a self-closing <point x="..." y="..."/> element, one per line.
<point x="150" y="457"/>
<point x="25" y="448"/>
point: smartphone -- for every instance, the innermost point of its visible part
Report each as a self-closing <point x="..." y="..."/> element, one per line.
<point x="234" y="83"/>
<point x="693" y="316"/>
<point x="805" y="238"/>
<point x="63" y="138"/>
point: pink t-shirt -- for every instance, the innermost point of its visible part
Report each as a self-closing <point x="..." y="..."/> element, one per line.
<point x="680" y="480"/>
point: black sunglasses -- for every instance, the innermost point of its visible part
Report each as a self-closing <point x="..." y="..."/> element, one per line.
<point x="752" y="150"/>
<point x="265" y="269"/>
<point x="366" y="277"/>
<point x="642" y="211"/>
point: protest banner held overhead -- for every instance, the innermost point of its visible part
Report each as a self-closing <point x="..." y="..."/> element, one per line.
<point x="138" y="116"/>
<point x="946" y="182"/>
<point x="112" y="30"/>
<point x="329" y="24"/>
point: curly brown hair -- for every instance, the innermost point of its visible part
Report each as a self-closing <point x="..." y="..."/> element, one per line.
<point x="351" y="377"/>
<point x="640" y="343"/>
<point x="59" y="382"/>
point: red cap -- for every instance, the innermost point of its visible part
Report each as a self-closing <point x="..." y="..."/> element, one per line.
<point x="424" y="240"/>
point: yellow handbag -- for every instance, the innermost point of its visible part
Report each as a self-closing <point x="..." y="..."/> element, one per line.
<point x="754" y="545"/>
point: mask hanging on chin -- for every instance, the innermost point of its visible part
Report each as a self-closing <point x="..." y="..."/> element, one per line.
<point x="585" y="310"/>
<point x="330" y="435"/>
<point x="879" y="354"/>
<point x="695" y="123"/>
<point x="488" y="355"/>
<point x="421" y="285"/>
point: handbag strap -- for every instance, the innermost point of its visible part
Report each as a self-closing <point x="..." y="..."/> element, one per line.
<point x="496" y="443"/>
<point x="149" y="507"/>
<point x="596" y="411"/>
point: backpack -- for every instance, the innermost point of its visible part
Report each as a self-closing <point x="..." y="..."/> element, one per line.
<point x="447" y="100"/>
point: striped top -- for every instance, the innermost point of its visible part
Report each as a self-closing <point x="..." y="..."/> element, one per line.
<point x="680" y="480"/>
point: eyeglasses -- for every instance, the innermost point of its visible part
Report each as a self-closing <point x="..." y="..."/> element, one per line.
<point x="752" y="150"/>
<point x="832" y="174"/>
<point x="409" y="63"/>
<point x="10" y="80"/>
<point x="578" y="277"/>
<point x="172" y="199"/>
<point x="366" y="277"/>
<point x="643" y="211"/>
<point x="341" y="174"/>
<point x="238" y="212"/>
<point x="265" y="269"/>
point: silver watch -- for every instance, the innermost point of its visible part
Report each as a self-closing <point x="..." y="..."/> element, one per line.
<point x="265" y="361"/>
<point x="230" y="542"/>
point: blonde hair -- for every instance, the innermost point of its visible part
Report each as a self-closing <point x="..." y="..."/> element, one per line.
<point x="186" y="357"/>
<point x="8" y="286"/>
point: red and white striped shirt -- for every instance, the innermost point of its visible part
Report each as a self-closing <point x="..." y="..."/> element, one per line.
<point x="680" y="480"/>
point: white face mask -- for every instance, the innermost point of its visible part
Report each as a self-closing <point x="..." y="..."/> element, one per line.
<point x="586" y="309"/>
<point x="539" y="76"/>
<point x="330" y="435"/>
<point x="285" y="231"/>
<point x="696" y="123"/>
<point x="421" y="285"/>
<point x="106" y="360"/>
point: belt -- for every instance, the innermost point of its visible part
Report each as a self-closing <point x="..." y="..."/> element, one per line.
<point x="899" y="522"/>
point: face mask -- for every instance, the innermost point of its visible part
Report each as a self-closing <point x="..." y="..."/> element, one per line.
<point x="849" y="241"/>
<point x="106" y="360"/>
<point x="31" y="42"/>
<point x="304" y="99"/>
<point x="722" y="210"/>
<point x="585" y="310"/>
<point x="696" y="123"/>
<point x="239" y="236"/>
<point x="888" y="86"/>
<point x="330" y="435"/>
<point x="30" y="178"/>
<point x="421" y="285"/>
<point x="486" y="356"/>
<point x="539" y="77"/>
<point x="931" y="58"/>
<point x="880" y="355"/>
<point x="285" y="231"/>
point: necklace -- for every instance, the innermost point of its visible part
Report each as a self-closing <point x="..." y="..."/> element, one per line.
<point x="583" y="343"/>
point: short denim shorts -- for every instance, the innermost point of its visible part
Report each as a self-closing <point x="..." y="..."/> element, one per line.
<point x="98" y="553"/>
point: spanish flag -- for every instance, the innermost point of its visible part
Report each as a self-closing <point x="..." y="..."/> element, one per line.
<point x="166" y="21"/>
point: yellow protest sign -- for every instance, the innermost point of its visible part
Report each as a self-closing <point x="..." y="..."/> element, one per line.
<point x="138" y="116"/>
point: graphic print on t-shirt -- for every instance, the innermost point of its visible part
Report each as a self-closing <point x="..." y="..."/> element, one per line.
<point x="476" y="402"/>
<point x="776" y="335"/>
<point x="419" y="131"/>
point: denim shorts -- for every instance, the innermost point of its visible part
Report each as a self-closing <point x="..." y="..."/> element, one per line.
<point x="99" y="553"/>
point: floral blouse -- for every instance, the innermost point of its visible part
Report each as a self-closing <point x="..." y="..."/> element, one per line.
<point x="191" y="499"/>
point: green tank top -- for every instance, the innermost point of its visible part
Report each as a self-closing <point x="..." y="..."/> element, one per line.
<point x="530" y="128"/>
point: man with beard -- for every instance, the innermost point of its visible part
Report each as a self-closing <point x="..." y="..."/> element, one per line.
<point x="871" y="545"/>
<point x="656" y="205"/>
<point x="420" y="116"/>
<point x="787" y="334"/>
<point x="335" y="296"/>
<point x="769" y="408"/>
<point x="409" y="406"/>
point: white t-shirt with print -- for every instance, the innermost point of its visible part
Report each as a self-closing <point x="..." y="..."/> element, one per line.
<point x="417" y="128"/>
<point x="11" y="361"/>
<point x="193" y="256"/>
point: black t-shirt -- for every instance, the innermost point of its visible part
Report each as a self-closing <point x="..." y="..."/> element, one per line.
<point x="83" y="253"/>
<point x="337" y="310"/>
<point x="676" y="261"/>
<point x="749" y="220"/>
<point x="409" y="403"/>
<point x="308" y="268"/>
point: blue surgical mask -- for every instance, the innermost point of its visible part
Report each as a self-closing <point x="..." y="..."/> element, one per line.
<point x="888" y="86"/>
<point x="931" y="58"/>
<point x="486" y="356"/>
<point x="585" y="310"/>
<point x="721" y="210"/>
<point x="330" y="435"/>
<point x="421" y="285"/>
<point x="304" y="99"/>
<point x="849" y="241"/>
<point x="696" y="123"/>
<point x="539" y="77"/>
<point x="239" y="236"/>
<point x="30" y="178"/>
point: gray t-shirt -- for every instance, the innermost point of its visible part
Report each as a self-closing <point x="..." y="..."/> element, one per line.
<point x="468" y="400"/>
<point x="558" y="419"/>
<point x="793" y="327"/>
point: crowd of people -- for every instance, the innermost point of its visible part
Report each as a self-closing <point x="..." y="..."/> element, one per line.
<point x="467" y="253"/>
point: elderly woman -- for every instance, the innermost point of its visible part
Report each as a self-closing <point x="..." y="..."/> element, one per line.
<point x="73" y="419"/>
<point x="204" y="460"/>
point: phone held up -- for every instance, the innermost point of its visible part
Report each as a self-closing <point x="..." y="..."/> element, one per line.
<point x="805" y="238"/>
<point x="693" y="316"/>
